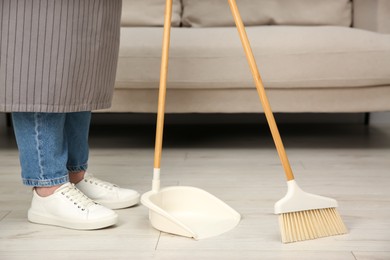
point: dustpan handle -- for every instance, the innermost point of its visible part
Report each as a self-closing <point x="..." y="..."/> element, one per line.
<point x="163" y="84"/>
<point x="261" y="91"/>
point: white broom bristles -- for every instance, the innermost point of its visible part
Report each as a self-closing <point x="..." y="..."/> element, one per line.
<point x="310" y="224"/>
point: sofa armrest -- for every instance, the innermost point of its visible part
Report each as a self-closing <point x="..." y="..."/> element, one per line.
<point x="373" y="15"/>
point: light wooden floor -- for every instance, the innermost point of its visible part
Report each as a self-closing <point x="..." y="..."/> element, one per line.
<point x="238" y="164"/>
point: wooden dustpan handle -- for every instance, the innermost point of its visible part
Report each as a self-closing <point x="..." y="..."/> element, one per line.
<point x="260" y="90"/>
<point x="163" y="84"/>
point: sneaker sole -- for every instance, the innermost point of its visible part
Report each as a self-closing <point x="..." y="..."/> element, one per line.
<point x="79" y="225"/>
<point x="119" y="204"/>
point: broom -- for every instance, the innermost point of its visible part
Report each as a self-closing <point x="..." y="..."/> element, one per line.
<point x="302" y="215"/>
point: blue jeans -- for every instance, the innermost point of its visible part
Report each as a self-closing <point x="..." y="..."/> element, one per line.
<point x="51" y="145"/>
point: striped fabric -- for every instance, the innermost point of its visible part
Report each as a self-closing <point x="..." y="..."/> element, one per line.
<point x="58" y="55"/>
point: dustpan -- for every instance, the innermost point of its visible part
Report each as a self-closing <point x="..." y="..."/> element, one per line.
<point x="181" y="210"/>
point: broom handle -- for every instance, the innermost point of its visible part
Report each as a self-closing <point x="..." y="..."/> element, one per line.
<point x="163" y="84"/>
<point x="261" y="91"/>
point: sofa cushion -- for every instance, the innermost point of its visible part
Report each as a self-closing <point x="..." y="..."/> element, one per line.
<point x="209" y="58"/>
<point x="148" y="13"/>
<point x="205" y="13"/>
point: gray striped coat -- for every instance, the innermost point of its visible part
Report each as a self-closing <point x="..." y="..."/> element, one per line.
<point x="58" y="55"/>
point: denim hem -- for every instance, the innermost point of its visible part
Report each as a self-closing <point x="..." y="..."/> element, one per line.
<point x="46" y="183"/>
<point x="73" y="169"/>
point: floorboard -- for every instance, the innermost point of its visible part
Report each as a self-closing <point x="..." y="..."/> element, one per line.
<point x="238" y="164"/>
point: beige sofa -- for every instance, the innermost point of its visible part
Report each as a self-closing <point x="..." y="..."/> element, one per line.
<point x="314" y="56"/>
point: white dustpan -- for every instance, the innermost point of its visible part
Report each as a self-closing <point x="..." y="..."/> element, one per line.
<point x="180" y="210"/>
<point x="189" y="211"/>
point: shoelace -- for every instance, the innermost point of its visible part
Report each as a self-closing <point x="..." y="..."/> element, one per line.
<point x="77" y="197"/>
<point x="98" y="182"/>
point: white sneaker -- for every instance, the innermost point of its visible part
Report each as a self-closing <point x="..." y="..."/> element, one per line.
<point x="70" y="208"/>
<point x="107" y="194"/>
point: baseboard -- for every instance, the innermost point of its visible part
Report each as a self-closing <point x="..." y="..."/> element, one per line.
<point x="380" y="118"/>
<point x="3" y="120"/>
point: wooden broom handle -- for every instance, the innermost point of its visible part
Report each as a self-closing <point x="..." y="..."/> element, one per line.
<point x="261" y="91"/>
<point x="163" y="84"/>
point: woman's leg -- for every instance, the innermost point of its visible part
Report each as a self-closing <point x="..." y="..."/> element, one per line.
<point x="77" y="132"/>
<point x="43" y="150"/>
<point x="107" y="194"/>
